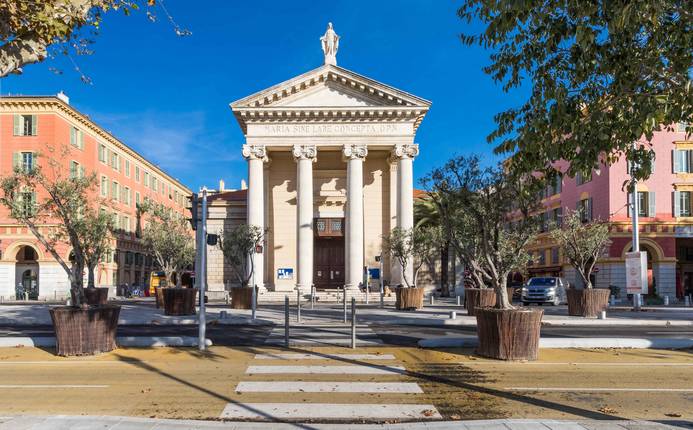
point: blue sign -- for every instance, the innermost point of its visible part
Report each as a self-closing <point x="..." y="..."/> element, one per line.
<point x="374" y="273"/>
<point x="286" y="274"/>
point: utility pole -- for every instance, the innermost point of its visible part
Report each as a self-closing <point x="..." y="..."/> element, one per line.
<point x="202" y="270"/>
<point x="635" y="207"/>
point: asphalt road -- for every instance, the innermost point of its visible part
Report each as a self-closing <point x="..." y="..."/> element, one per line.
<point x="390" y="334"/>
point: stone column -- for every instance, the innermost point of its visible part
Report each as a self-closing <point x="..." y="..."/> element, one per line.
<point x="395" y="272"/>
<point x="354" y="156"/>
<point x="305" y="156"/>
<point x="404" y="154"/>
<point x="256" y="156"/>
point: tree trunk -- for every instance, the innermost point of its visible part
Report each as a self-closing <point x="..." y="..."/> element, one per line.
<point x="179" y="280"/>
<point x="503" y="302"/>
<point x="444" y="269"/>
<point x="90" y="278"/>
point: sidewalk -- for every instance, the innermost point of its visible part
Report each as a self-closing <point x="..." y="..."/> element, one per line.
<point x="102" y="422"/>
<point x="430" y="315"/>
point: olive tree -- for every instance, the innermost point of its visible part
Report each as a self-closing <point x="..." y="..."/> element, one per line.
<point x="59" y="209"/>
<point x="600" y="75"/>
<point x="414" y="246"/>
<point x="169" y="239"/>
<point x="238" y="246"/>
<point x="582" y="243"/>
<point x="489" y="211"/>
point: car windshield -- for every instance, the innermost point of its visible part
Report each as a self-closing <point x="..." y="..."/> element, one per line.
<point x="542" y="282"/>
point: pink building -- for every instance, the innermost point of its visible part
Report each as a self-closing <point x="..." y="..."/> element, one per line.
<point x="665" y="215"/>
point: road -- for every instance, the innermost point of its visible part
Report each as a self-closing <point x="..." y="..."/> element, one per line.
<point x="328" y="383"/>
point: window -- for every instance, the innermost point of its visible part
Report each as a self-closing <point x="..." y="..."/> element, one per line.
<point x="27" y="203"/>
<point x="155" y="184"/>
<point x="115" y="161"/>
<point x="146" y="179"/>
<point x="25" y="125"/>
<point x="127" y="168"/>
<point x="76" y="138"/>
<point x="104" y="186"/>
<point x="137" y="198"/>
<point x="103" y="153"/>
<point x="554" y="256"/>
<point x="24" y="161"/>
<point x="582" y="179"/>
<point x="681" y="127"/>
<point x="682" y="160"/>
<point x="585" y="208"/>
<point x="541" y="258"/>
<point x="137" y="173"/>
<point x="114" y="190"/>
<point x="76" y="171"/>
<point x="126" y="195"/>
<point x="682" y="203"/>
<point x="646" y="204"/>
<point x="557" y="216"/>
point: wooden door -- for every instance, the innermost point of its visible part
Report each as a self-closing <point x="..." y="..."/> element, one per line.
<point x="329" y="263"/>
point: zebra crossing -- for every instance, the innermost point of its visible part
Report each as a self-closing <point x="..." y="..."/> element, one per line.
<point x="323" y="335"/>
<point x="321" y="386"/>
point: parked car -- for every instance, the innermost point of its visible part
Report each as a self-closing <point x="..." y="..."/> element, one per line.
<point x="545" y="290"/>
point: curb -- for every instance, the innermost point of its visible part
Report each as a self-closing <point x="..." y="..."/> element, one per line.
<point x="582" y="322"/>
<point x="560" y="343"/>
<point x="122" y="341"/>
<point x="194" y="321"/>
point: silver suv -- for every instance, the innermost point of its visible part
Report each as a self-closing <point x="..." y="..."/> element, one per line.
<point x="545" y="290"/>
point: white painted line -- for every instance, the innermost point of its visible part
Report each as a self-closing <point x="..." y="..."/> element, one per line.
<point x="334" y="342"/>
<point x="273" y="411"/>
<point x="328" y="387"/>
<point x="567" y="363"/>
<point x="46" y="362"/>
<point x="600" y="389"/>
<point x="553" y="342"/>
<point x="325" y="356"/>
<point x="13" y="386"/>
<point x="326" y="370"/>
<point x="123" y="341"/>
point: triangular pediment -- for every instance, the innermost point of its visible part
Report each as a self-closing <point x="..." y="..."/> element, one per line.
<point x="330" y="86"/>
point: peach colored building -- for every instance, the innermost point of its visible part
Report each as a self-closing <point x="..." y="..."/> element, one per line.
<point x="29" y="127"/>
<point x="666" y="218"/>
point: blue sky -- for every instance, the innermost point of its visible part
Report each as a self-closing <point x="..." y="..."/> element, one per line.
<point x="167" y="96"/>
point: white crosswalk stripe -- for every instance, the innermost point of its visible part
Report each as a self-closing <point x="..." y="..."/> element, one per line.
<point x="326" y="370"/>
<point x="294" y="356"/>
<point x="327" y="387"/>
<point x="332" y="411"/>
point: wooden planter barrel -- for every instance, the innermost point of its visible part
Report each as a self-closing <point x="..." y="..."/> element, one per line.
<point x="179" y="301"/>
<point x="85" y="331"/>
<point x="242" y="298"/>
<point x="588" y="302"/>
<point x="409" y="299"/>
<point x="96" y="296"/>
<point x="508" y="334"/>
<point x="478" y="298"/>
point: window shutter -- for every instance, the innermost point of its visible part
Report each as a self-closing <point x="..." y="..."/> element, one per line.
<point x="34" y="122"/>
<point x="675" y="160"/>
<point x="73" y="138"/>
<point x="652" y="209"/>
<point x="589" y="208"/>
<point x="81" y="171"/>
<point x="81" y="139"/>
<point x="18" y="120"/>
<point x="17" y="160"/>
<point x="652" y="165"/>
<point x="677" y="203"/>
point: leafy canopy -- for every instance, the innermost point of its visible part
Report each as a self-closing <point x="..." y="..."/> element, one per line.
<point x="414" y="246"/>
<point x="238" y="246"/>
<point x="601" y="74"/>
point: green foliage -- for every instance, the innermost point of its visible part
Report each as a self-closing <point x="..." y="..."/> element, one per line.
<point x="582" y="243"/>
<point x="602" y="75"/>
<point x="168" y="237"/>
<point x="413" y="247"/>
<point x="488" y="213"/>
<point x="238" y="246"/>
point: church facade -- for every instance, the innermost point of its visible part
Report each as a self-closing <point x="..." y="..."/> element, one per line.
<point x="330" y="158"/>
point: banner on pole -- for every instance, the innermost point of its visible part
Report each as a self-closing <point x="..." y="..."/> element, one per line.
<point x="636" y="272"/>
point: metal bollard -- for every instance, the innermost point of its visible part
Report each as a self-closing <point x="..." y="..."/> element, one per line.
<point x="458" y="300"/>
<point x="666" y="300"/>
<point x="353" y="322"/>
<point x="453" y="315"/>
<point x="312" y="297"/>
<point x="368" y="291"/>
<point x="223" y="315"/>
<point x="431" y="299"/>
<point x="253" y="298"/>
<point x="286" y="321"/>
<point x="687" y="301"/>
<point x="298" y="304"/>
<point x="602" y="315"/>
<point x="227" y="297"/>
<point x="612" y="300"/>
<point x="382" y="296"/>
<point x="345" y="306"/>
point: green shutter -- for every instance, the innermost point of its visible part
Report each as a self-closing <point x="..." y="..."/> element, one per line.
<point x="652" y="209"/>
<point x="34" y="123"/>
<point x="18" y="121"/>
<point x="81" y="171"/>
<point x="73" y="138"/>
<point x="81" y="139"/>
<point x="677" y="203"/>
<point x="675" y="164"/>
<point x="17" y="160"/>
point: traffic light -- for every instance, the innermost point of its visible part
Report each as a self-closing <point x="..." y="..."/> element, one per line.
<point x="193" y="210"/>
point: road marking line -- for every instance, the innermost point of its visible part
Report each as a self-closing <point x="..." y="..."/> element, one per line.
<point x="52" y="386"/>
<point x="328" y="387"/>
<point x="327" y="370"/>
<point x="559" y="363"/>
<point x="6" y="363"/>
<point x="580" y="389"/>
<point x="324" y="357"/>
<point x="273" y="411"/>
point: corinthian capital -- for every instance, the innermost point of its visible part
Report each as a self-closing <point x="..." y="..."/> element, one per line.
<point x="355" y="152"/>
<point x="407" y="150"/>
<point x="305" y="152"/>
<point x="255" y="152"/>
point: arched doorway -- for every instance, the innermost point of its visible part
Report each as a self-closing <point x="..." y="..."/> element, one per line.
<point x="26" y="273"/>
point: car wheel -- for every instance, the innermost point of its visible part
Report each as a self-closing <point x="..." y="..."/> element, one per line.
<point x="525" y="303"/>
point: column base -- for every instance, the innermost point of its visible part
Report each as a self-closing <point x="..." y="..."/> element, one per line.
<point x="351" y="287"/>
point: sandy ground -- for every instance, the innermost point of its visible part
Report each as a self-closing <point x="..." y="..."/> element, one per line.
<point x="182" y="383"/>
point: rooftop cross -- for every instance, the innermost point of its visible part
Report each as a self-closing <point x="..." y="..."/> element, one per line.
<point x="330" y="45"/>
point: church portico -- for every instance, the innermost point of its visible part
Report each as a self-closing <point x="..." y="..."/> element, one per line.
<point x="330" y="171"/>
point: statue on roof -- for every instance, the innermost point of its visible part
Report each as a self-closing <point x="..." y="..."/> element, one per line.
<point x="330" y="45"/>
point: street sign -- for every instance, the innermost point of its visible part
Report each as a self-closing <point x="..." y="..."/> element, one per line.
<point x="636" y="272"/>
<point x="286" y="273"/>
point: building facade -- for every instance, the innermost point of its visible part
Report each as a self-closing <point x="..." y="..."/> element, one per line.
<point x="665" y="217"/>
<point x="33" y="128"/>
<point x="330" y="171"/>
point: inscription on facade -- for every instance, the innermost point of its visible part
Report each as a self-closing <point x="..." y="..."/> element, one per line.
<point x="329" y="129"/>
